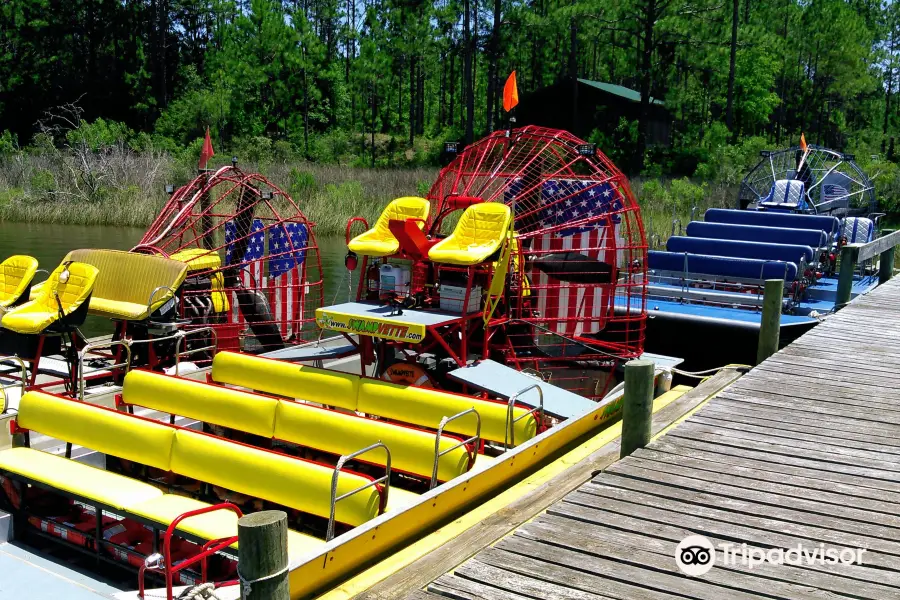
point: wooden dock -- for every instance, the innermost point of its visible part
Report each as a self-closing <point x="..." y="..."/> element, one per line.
<point x="804" y="449"/>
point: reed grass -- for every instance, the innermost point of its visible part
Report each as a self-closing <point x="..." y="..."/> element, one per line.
<point x="120" y="187"/>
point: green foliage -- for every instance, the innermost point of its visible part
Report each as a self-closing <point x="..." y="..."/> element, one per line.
<point x="42" y="184"/>
<point x="99" y="135"/>
<point x="8" y="144"/>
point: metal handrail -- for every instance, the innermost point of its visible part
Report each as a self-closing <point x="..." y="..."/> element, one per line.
<point x="438" y="453"/>
<point x="20" y="384"/>
<point x="182" y="335"/>
<point x="337" y="471"/>
<point x="153" y="294"/>
<point x="96" y="346"/>
<point x="509" y="440"/>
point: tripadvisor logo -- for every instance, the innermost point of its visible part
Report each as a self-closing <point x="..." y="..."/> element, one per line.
<point x="695" y="555"/>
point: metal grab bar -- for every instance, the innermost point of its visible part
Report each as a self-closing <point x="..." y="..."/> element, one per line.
<point x="438" y="453"/>
<point x="21" y="384"/>
<point x="96" y="346"/>
<point x="509" y="437"/>
<point x="183" y="335"/>
<point x="153" y="295"/>
<point x="337" y="471"/>
<point x="157" y="562"/>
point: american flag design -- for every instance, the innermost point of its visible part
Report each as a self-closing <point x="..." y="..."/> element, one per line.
<point x="580" y="216"/>
<point x="278" y="269"/>
<point x="831" y="191"/>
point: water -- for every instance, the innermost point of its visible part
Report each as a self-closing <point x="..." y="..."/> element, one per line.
<point x="50" y="243"/>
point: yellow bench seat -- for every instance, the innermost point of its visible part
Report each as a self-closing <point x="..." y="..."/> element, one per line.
<point x="90" y="483"/>
<point x="379" y="241"/>
<point x="213" y="525"/>
<point x="118" y="309"/>
<point x="481" y="231"/>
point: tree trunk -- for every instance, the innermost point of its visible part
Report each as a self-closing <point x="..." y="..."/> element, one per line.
<point x="646" y="75"/>
<point x="729" y="103"/>
<point x="469" y="91"/>
<point x="412" y="100"/>
<point x="493" y="76"/>
<point x="890" y="84"/>
<point x="451" y="109"/>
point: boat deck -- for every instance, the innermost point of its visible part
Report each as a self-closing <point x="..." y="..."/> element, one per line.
<point x="804" y="449"/>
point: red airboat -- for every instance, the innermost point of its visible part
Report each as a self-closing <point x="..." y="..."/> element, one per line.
<point x="528" y="252"/>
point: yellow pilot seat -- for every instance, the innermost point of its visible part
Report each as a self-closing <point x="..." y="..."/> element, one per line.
<point x="65" y="291"/>
<point x="16" y="274"/>
<point x="199" y="260"/>
<point x="379" y="241"/>
<point x="481" y="231"/>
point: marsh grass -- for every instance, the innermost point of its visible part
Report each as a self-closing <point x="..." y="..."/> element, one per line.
<point x="126" y="188"/>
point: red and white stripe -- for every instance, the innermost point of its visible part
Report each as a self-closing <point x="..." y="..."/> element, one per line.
<point x="286" y="295"/>
<point x="574" y="309"/>
<point x="252" y="279"/>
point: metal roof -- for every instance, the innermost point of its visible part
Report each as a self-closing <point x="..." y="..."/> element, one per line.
<point x="619" y="90"/>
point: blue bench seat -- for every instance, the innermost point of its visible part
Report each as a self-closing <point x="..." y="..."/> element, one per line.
<point x="814" y="238"/>
<point x="830" y="225"/>
<point x="720" y="266"/>
<point x="740" y="249"/>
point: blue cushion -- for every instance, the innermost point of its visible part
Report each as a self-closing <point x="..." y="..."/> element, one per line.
<point x="721" y="266"/>
<point x="814" y="238"/>
<point x="858" y="230"/>
<point x="830" y="225"/>
<point x="740" y="249"/>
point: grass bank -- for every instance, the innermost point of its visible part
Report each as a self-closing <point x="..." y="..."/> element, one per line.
<point x="119" y="187"/>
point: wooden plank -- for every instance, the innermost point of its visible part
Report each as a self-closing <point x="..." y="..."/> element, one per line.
<point x="458" y="588"/>
<point x="677" y="532"/>
<point x="790" y="421"/>
<point x="656" y="555"/>
<point x="612" y="578"/>
<point x="848" y="460"/>
<point x="747" y="438"/>
<point x="752" y="502"/>
<point x="822" y="393"/>
<point x="771" y="533"/>
<point x="422" y="595"/>
<point x="711" y="476"/>
<point x="518" y="583"/>
<point x="762" y="460"/>
<point x="814" y="529"/>
<point x="807" y="406"/>
<point x="796" y="377"/>
<point x="426" y="568"/>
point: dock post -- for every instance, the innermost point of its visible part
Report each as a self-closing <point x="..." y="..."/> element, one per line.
<point x="637" y="406"/>
<point x="262" y="556"/>
<point x="770" y="323"/>
<point x="886" y="263"/>
<point x="849" y="258"/>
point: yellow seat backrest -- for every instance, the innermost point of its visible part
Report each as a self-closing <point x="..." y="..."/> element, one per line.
<point x="286" y="379"/>
<point x="379" y="241"/>
<point x="100" y="429"/>
<point x="285" y="480"/>
<point x="36" y="315"/>
<point x="211" y="404"/>
<point x="426" y="407"/>
<point x="16" y="274"/>
<point x="132" y="277"/>
<point x="481" y="230"/>
<point x="411" y="450"/>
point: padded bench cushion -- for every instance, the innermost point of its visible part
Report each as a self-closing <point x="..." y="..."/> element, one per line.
<point x="99" y="429"/>
<point x="278" y="478"/>
<point x="427" y="407"/>
<point x="286" y="379"/>
<point x="814" y="238"/>
<point x="90" y="483"/>
<point x="830" y="225"/>
<point x="117" y="309"/>
<point x="740" y="249"/>
<point x="721" y="266"/>
<point x="218" y="405"/>
<point x="213" y="525"/>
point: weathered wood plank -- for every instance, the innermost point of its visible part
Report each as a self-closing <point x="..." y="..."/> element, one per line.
<point x="673" y="534"/>
<point x="738" y="479"/>
<point x="582" y="569"/>
<point x="761" y="460"/>
<point x="458" y="588"/>
<point x="422" y="595"/>
<point x="656" y="554"/>
<point x="520" y="583"/>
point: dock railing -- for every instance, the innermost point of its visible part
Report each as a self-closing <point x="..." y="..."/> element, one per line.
<point x="853" y="254"/>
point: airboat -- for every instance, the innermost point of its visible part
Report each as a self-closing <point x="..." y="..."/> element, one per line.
<point x="795" y="210"/>
<point x="490" y="322"/>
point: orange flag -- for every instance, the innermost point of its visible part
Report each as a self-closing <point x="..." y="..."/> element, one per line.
<point x="510" y="93"/>
<point x="803" y="145"/>
<point x="207" y="151"/>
